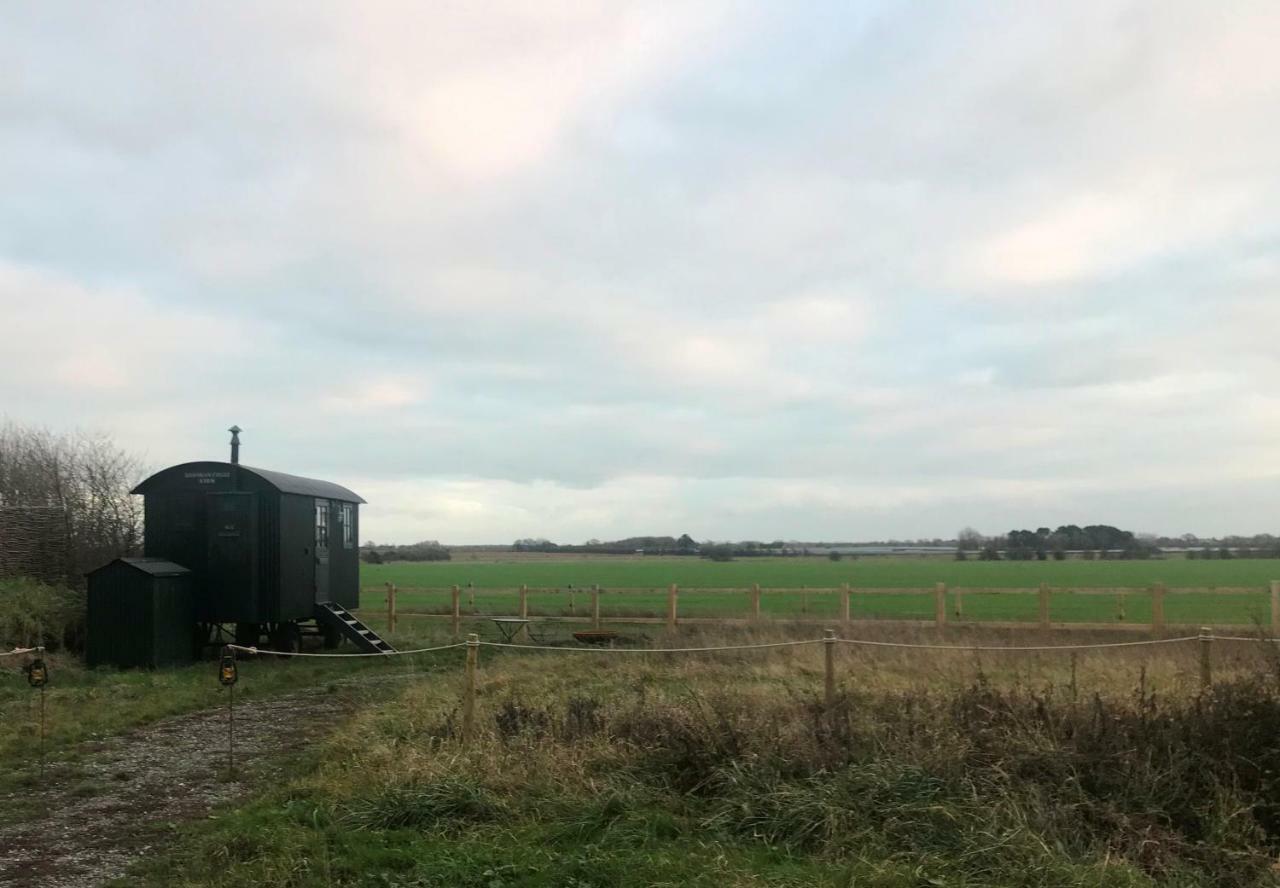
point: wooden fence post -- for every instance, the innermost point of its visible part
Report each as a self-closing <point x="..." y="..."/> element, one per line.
<point x="595" y="605"/>
<point x="671" y="607"/>
<point x="829" y="655"/>
<point x="940" y="604"/>
<point x="469" y="688"/>
<point x="1275" y="607"/>
<point x="1157" y="609"/>
<point x="524" y="610"/>
<point x="844" y="604"/>
<point x="1206" y="655"/>
<point x="457" y="612"/>
<point x="755" y="602"/>
<point x="391" y="608"/>
<point x="1044" y="605"/>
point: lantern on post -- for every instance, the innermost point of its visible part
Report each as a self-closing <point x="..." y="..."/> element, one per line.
<point x="37" y="673"/>
<point x="227" y="674"/>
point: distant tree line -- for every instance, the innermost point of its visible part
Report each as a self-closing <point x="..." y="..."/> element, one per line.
<point x="1092" y="541"/>
<point x="427" y="550"/>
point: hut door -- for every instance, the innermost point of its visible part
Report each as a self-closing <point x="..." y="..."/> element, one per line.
<point x="322" y="551"/>
<point x="232" y="582"/>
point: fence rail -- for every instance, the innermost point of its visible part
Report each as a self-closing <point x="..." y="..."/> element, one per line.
<point x="1154" y="608"/>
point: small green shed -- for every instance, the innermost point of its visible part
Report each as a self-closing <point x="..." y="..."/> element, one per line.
<point x="141" y="613"/>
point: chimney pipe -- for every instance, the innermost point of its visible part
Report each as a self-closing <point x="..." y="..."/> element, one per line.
<point x="235" y="445"/>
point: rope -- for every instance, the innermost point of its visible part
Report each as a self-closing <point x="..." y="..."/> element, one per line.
<point x="253" y="651"/>
<point x="601" y="650"/>
<point x="1050" y="647"/>
<point x="16" y="651"/>
<point x="1242" y="638"/>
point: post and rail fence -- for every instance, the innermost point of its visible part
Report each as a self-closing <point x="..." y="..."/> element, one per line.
<point x="847" y="606"/>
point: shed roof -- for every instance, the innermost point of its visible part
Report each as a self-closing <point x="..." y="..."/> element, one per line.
<point x="286" y="483"/>
<point x="157" y="567"/>
<point x="281" y="481"/>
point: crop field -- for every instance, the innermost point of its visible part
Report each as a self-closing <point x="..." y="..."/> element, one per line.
<point x="1115" y="592"/>
<point x="791" y="573"/>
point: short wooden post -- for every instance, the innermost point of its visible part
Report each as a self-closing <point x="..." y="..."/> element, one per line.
<point x="457" y="612"/>
<point x="829" y="656"/>
<point x="469" y="688"/>
<point x="755" y="602"/>
<point x="672" y="593"/>
<point x="595" y="606"/>
<point x="524" y="610"/>
<point x="1206" y="657"/>
<point x="391" y="608"/>
<point x="940" y="604"/>
<point x="1044" y="605"/>
<point x="844" y="603"/>
<point x="471" y="597"/>
<point x="1275" y="607"/>
<point x="1157" y="608"/>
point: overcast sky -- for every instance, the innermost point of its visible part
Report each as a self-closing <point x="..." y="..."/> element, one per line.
<point x="819" y="271"/>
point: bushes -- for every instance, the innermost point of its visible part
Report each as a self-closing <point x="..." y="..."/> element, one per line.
<point x="33" y="613"/>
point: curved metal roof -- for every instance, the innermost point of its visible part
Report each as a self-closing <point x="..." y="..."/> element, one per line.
<point x="281" y="481"/>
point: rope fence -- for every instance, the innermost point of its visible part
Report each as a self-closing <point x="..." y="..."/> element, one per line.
<point x="830" y="642"/>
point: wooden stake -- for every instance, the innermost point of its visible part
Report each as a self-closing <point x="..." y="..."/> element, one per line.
<point x="940" y="604"/>
<point x="471" y="597"/>
<point x="1157" y="609"/>
<point x="469" y="687"/>
<point x="595" y="606"/>
<point x="844" y="603"/>
<point x="1206" y="655"/>
<point x="1275" y="607"/>
<point x="671" y="607"/>
<point x="524" y="610"/>
<point x="1044" y="605"/>
<point x="755" y="602"/>
<point x="829" y="656"/>
<point x="457" y="612"/>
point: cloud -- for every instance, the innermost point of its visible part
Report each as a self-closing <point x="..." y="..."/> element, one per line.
<point x="534" y="269"/>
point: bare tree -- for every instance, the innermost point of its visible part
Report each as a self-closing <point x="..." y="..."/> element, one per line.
<point x="65" y="506"/>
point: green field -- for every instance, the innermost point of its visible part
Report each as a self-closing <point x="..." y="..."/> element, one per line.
<point x="1219" y="593"/>
<point x="790" y="573"/>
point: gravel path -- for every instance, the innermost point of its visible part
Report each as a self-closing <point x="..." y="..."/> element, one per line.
<point x="113" y="805"/>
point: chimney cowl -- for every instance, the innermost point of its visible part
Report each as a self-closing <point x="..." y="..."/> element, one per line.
<point x="235" y="444"/>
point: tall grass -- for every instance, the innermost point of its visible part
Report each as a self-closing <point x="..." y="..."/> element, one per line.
<point x="946" y="769"/>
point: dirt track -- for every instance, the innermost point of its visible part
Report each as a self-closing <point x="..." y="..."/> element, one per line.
<point x="116" y="803"/>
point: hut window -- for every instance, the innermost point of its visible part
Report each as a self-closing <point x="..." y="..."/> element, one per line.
<point x="322" y="523"/>
<point x="348" y="527"/>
